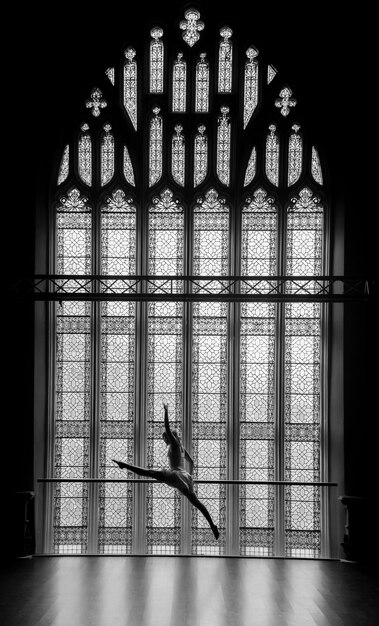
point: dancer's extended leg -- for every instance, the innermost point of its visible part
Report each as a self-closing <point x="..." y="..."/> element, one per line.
<point x="192" y="497"/>
<point x="141" y="471"/>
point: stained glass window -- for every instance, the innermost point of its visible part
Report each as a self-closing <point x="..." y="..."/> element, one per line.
<point x="155" y="147"/>
<point x="179" y="84"/>
<point x="202" y="85"/>
<point x="250" y="99"/>
<point x="295" y="155"/>
<point x="223" y="146"/>
<point x="64" y="165"/>
<point x="225" y="61"/>
<point x="85" y="155"/>
<point x="156" y="61"/>
<point x="242" y="378"/>
<point x="272" y="156"/>
<point x="130" y="85"/>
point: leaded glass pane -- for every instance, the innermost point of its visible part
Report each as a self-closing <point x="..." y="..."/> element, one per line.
<point x="251" y="167"/>
<point x="155" y="147"/>
<point x="110" y="73"/>
<point x="178" y="156"/>
<point x="72" y="381"/>
<point x="85" y="156"/>
<point x="272" y="156"/>
<point x="202" y="85"/>
<point x="250" y="98"/>
<point x="210" y="254"/>
<point x="156" y="61"/>
<point x="117" y="377"/>
<point x="223" y="146"/>
<point x="271" y="73"/>
<point x="295" y="156"/>
<point x="302" y="381"/>
<point x="64" y="165"/>
<point x="128" y="168"/>
<point x="285" y="101"/>
<point x="191" y="27"/>
<point x="164" y="371"/>
<point x="107" y="155"/>
<point x="316" y="166"/>
<point x="257" y="370"/>
<point x="225" y="61"/>
<point x="200" y="156"/>
<point x="179" y="84"/>
<point x="130" y="85"/>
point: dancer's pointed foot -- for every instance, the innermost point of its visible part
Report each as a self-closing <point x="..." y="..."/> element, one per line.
<point x="120" y="464"/>
<point x="215" y="531"/>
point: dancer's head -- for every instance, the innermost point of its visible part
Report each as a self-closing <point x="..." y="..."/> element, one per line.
<point x="166" y="439"/>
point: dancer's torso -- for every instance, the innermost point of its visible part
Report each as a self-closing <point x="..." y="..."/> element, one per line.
<point x="175" y="457"/>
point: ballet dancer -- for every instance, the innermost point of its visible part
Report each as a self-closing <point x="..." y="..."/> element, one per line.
<point x="175" y="476"/>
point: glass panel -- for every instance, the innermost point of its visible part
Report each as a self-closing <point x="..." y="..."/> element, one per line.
<point x="271" y="73"/>
<point x="191" y="27"/>
<point x="156" y="61"/>
<point x="272" y="156"/>
<point x="155" y="147"/>
<point x="223" y="146"/>
<point x="257" y="370"/>
<point x="85" y="156"/>
<point x="110" y="73"/>
<point x="178" y="156"/>
<point x="202" y="85"/>
<point x="316" y="167"/>
<point x="295" y="156"/>
<point x="130" y="86"/>
<point x="200" y="156"/>
<point x="117" y="377"/>
<point x="250" y="98"/>
<point x="251" y="168"/>
<point x="179" y="84"/>
<point x="107" y="155"/>
<point x="72" y="380"/>
<point x="128" y="168"/>
<point x="225" y="61"/>
<point x="303" y="381"/>
<point x="164" y="372"/>
<point x="64" y="166"/>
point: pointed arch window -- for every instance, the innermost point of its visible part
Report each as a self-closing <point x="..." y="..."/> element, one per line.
<point x="217" y="208"/>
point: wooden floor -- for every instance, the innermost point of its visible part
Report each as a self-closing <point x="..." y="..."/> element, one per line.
<point x="186" y="591"/>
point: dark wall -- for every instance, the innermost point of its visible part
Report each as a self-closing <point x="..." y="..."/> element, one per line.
<point x="54" y="59"/>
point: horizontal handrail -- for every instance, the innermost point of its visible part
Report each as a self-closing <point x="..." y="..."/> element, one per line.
<point x="198" y="481"/>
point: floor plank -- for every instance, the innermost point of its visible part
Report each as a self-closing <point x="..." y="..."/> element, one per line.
<point x="187" y="591"/>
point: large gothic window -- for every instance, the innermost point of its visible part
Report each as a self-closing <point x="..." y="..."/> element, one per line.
<point x="184" y="198"/>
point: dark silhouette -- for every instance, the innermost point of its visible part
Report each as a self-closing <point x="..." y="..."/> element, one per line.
<point x="175" y="476"/>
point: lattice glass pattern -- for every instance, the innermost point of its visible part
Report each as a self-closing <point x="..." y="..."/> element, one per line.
<point x="164" y="384"/>
<point x="128" y="168"/>
<point x="200" y="156"/>
<point x="316" y="166"/>
<point x="156" y="61"/>
<point x="155" y="147"/>
<point x="271" y="73"/>
<point x="117" y="376"/>
<point x="272" y="156"/>
<point x="302" y="381"/>
<point x="223" y="146"/>
<point x="64" y="166"/>
<point x="209" y="414"/>
<point x="257" y="369"/>
<point x="85" y="156"/>
<point x="251" y="167"/>
<point x="295" y="155"/>
<point x="179" y="84"/>
<point x="225" y="61"/>
<point x="202" y="85"/>
<point x="166" y="235"/>
<point x="178" y="156"/>
<point x="250" y="96"/>
<point x="130" y="86"/>
<point x="107" y="155"/>
<point x="210" y="236"/>
<point x="72" y="380"/>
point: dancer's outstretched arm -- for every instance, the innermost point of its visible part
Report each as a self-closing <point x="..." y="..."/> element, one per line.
<point x="167" y="426"/>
